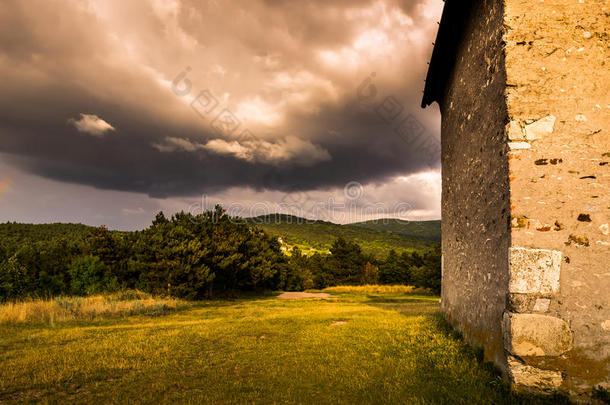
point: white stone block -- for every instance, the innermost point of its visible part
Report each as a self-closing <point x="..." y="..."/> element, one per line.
<point x="534" y="271"/>
<point x="538" y="129"/>
<point x="542" y="305"/>
<point x="519" y="145"/>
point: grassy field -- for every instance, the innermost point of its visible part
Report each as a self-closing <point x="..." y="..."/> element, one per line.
<point x="360" y="346"/>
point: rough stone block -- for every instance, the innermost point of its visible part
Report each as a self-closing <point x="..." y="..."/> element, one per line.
<point x="534" y="271"/>
<point x="542" y="305"/>
<point x="527" y="303"/>
<point x="515" y="132"/>
<point x="519" y="303"/>
<point x="538" y="129"/>
<point x="536" y="335"/>
<point x="524" y="376"/>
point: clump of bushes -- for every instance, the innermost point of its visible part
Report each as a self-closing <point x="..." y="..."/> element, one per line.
<point x="89" y="276"/>
<point x="347" y="265"/>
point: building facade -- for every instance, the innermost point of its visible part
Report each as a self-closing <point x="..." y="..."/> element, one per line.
<point x="524" y="92"/>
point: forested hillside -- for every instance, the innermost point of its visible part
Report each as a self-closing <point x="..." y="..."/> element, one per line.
<point x="12" y="232"/>
<point x="320" y="235"/>
<point x="186" y="256"/>
<point x="196" y="256"/>
<point x="429" y="230"/>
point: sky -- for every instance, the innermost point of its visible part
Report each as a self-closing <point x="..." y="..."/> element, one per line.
<point x="111" y="111"/>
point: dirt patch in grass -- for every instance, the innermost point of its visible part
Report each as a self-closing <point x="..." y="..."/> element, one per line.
<point x="299" y="295"/>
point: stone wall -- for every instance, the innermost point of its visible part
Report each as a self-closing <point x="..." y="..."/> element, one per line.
<point x="525" y="201"/>
<point x="557" y="323"/>
<point x="475" y="196"/>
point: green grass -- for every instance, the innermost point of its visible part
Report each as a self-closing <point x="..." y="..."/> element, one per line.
<point x="320" y="235"/>
<point x="391" y="348"/>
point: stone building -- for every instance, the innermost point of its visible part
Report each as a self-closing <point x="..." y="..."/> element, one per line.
<point x="524" y="92"/>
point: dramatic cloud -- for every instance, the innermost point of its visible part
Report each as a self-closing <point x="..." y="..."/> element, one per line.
<point x="91" y="124"/>
<point x="30" y="198"/>
<point x="209" y="96"/>
<point x="171" y="144"/>
<point x="291" y="150"/>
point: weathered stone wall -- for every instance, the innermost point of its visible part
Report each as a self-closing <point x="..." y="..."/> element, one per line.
<point x="475" y="197"/>
<point x="557" y="323"/>
<point x="525" y="202"/>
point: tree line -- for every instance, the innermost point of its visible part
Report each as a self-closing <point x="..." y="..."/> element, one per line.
<point x="188" y="256"/>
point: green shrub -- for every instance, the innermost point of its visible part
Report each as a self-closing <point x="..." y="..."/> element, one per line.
<point x="13" y="279"/>
<point x="89" y="275"/>
<point x="428" y="275"/>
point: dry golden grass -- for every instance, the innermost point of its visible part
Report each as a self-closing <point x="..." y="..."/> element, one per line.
<point x="61" y="309"/>
<point x="374" y="289"/>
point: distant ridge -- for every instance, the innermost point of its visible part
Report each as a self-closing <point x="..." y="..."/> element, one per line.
<point x="312" y="236"/>
<point x="284" y="218"/>
<point x="377" y="239"/>
<point x="428" y="230"/>
<point x="42" y="232"/>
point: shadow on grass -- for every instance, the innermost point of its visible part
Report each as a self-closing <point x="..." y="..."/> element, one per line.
<point x="495" y="375"/>
<point x="481" y="383"/>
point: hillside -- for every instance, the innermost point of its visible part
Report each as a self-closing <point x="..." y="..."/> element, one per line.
<point x="319" y="235"/>
<point x="310" y="236"/>
<point x="11" y="232"/>
<point x="429" y="230"/>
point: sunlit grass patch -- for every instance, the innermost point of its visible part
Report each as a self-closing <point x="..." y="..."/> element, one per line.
<point x="61" y="309"/>
<point x="374" y="289"/>
<point x="357" y="348"/>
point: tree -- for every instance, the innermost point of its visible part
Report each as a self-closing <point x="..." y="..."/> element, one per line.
<point x="89" y="275"/>
<point x="103" y="245"/>
<point x="391" y="271"/>
<point x="428" y="275"/>
<point x="296" y="274"/>
<point x="346" y="262"/>
<point x="370" y="274"/>
<point x="14" y="280"/>
<point x="160" y="219"/>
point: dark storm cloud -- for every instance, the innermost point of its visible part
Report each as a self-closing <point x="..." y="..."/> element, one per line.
<point x="291" y="72"/>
